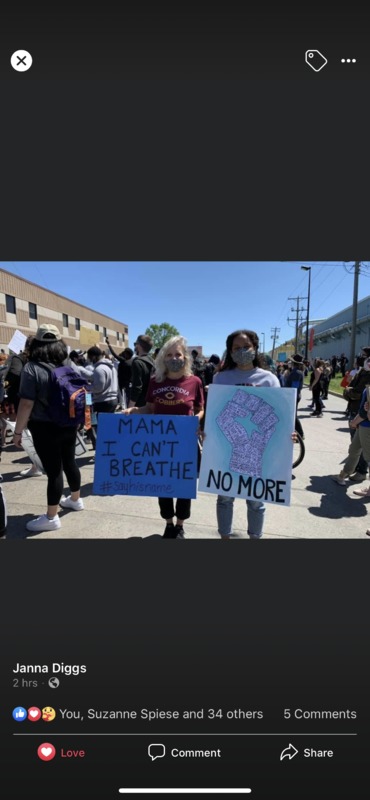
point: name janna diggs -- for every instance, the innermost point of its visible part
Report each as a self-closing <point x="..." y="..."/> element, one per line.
<point x="66" y="669"/>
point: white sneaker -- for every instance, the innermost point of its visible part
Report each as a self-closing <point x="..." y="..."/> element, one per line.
<point x="31" y="472"/>
<point x="75" y="505"/>
<point x="340" y="478"/>
<point x="43" y="523"/>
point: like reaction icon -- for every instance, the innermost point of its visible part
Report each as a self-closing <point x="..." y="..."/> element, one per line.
<point x="19" y="714"/>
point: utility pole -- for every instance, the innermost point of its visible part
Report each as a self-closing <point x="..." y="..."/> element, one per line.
<point x="354" y="315"/>
<point x="262" y="334"/>
<point x="307" y="269"/>
<point x="274" y="336"/>
<point x="296" y="320"/>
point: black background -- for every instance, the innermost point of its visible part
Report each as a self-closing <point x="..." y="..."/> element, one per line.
<point x="170" y="135"/>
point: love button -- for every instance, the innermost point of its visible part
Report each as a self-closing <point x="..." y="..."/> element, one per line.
<point x="72" y="753"/>
<point x="46" y="751"/>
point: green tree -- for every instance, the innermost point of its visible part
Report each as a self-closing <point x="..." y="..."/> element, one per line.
<point x="161" y="333"/>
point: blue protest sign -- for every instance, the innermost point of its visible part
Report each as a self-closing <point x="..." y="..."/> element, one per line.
<point x="148" y="455"/>
<point x="247" y="450"/>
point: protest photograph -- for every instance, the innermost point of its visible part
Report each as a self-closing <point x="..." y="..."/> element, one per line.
<point x="185" y="400"/>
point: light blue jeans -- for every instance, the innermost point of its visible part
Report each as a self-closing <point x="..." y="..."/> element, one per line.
<point x="255" y="516"/>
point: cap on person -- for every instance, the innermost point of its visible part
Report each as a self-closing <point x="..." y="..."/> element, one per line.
<point x="77" y="353"/>
<point x="297" y="358"/>
<point x="48" y="333"/>
<point x="366" y="350"/>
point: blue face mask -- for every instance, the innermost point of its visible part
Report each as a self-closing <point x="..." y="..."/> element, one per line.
<point x="243" y="356"/>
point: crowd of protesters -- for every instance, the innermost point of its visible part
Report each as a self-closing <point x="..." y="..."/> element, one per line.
<point x="131" y="382"/>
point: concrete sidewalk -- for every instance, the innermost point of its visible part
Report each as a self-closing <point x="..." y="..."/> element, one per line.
<point x="319" y="508"/>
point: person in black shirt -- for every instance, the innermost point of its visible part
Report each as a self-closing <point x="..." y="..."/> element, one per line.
<point x="142" y="368"/>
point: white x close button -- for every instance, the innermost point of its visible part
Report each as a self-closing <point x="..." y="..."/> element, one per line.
<point x="21" y="60"/>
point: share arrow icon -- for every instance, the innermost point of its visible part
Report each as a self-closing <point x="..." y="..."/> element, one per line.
<point x="289" y="752"/>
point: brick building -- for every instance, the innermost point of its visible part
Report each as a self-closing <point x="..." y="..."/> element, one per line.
<point x="25" y="305"/>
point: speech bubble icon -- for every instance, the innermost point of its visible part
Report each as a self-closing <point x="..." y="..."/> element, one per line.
<point x="156" y="751"/>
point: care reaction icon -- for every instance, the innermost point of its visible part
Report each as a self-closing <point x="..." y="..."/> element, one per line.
<point x="19" y="714"/>
<point x="48" y="714"/>
<point x="315" y="60"/>
<point x="46" y="751"/>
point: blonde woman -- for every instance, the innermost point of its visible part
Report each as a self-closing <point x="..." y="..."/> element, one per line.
<point x="173" y="389"/>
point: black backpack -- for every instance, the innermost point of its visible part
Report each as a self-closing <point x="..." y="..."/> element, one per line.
<point x="124" y="374"/>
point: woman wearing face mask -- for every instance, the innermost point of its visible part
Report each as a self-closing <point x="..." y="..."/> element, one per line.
<point x="173" y="389"/>
<point x="241" y="367"/>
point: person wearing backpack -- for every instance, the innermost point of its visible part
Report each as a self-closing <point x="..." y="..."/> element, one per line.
<point x="13" y="378"/>
<point x="52" y="404"/>
<point x="142" y="368"/>
<point x="15" y="365"/>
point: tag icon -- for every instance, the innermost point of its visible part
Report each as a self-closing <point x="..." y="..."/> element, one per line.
<point x="315" y="60"/>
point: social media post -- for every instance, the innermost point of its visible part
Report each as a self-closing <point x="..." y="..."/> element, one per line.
<point x="155" y="169"/>
<point x="151" y="422"/>
<point x="193" y="688"/>
<point x="153" y="637"/>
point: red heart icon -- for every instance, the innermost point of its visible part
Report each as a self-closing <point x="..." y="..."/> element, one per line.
<point x="46" y="751"/>
<point x="33" y="714"/>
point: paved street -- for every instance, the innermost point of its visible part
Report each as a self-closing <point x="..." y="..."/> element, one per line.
<point x="319" y="509"/>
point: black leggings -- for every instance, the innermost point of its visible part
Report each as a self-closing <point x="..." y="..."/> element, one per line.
<point x="316" y="391"/>
<point x="56" y="449"/>
<point x="182" y="511"/>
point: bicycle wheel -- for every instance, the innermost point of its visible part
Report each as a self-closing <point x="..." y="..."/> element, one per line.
<point x="298" y="451"/>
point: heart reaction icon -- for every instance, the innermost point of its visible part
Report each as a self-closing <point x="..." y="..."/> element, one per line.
<point x="34" y="714"/>
<point x="46" y="751"/>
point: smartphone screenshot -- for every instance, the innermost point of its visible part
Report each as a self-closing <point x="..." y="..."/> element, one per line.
<point x="184" y="361"/>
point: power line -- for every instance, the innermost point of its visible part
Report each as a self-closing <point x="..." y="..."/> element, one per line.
<point x="274" y="336"/>
<point x="331" y="291"/>
<point x="296" y="320"/>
